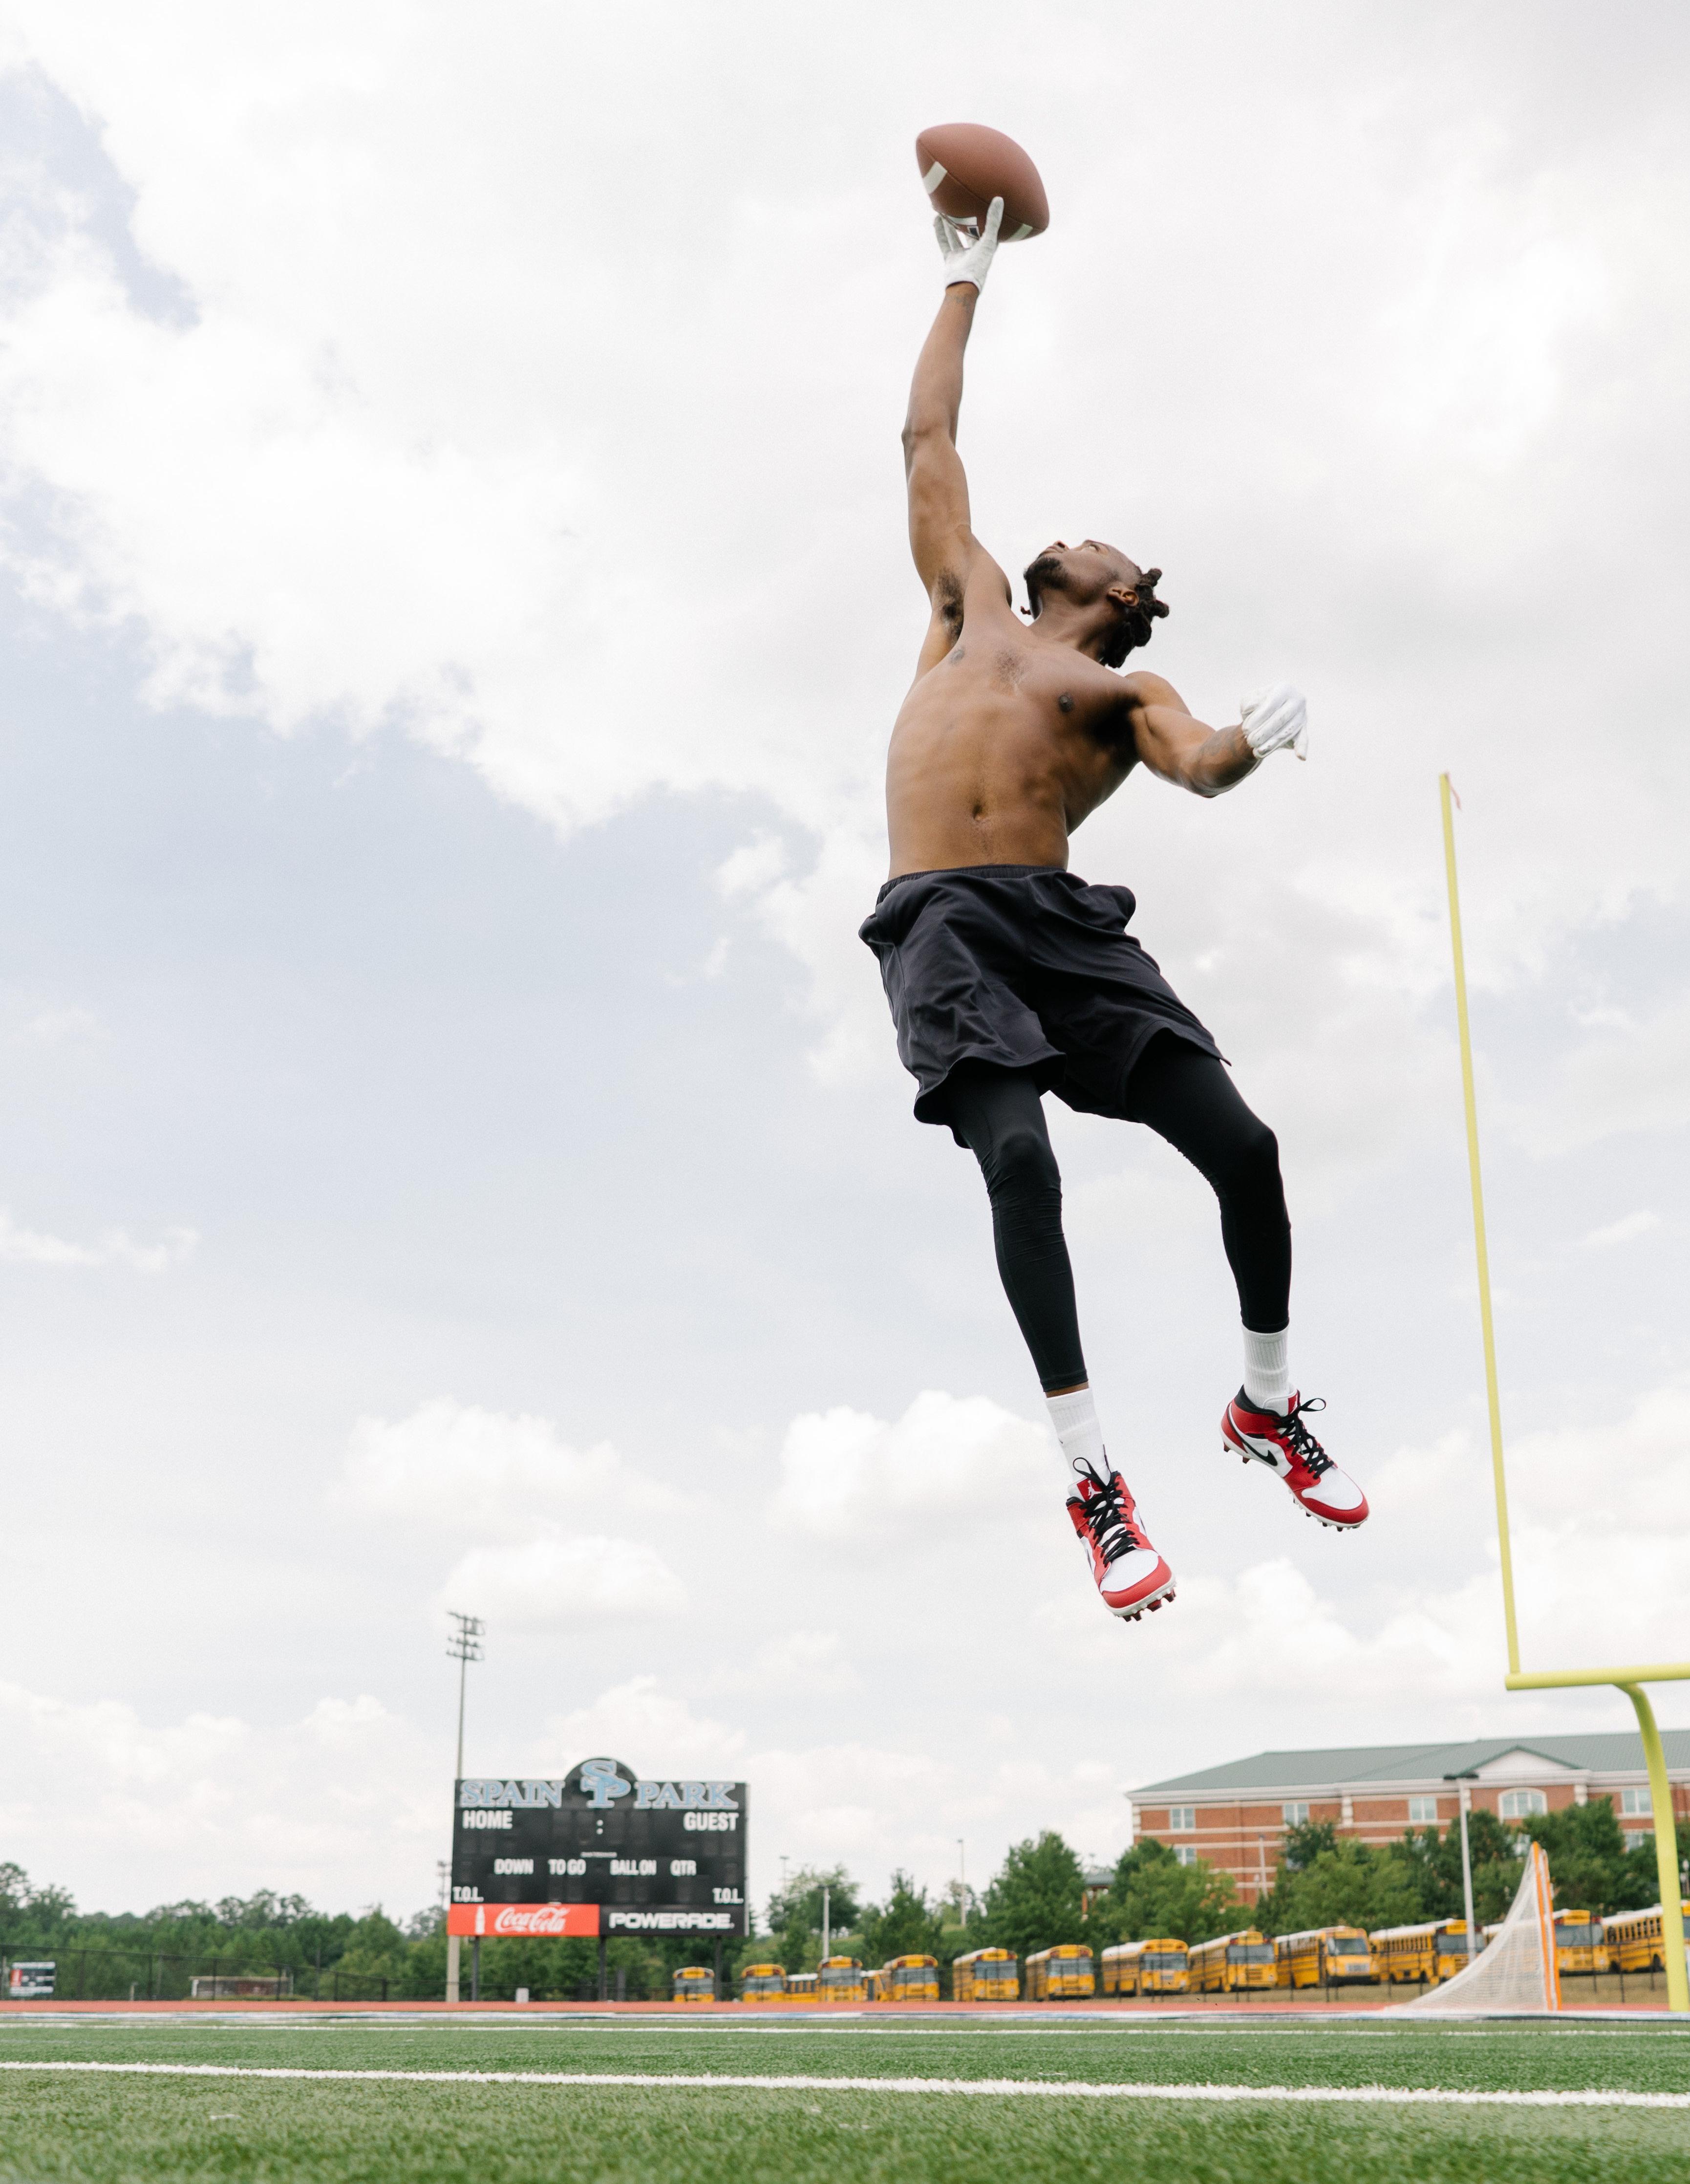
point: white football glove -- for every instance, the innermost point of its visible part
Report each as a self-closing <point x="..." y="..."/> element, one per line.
<point x="1275" y="718"/>
<point x="968" y="256"/>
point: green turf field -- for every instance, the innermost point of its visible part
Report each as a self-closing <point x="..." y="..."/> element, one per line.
<point x="947" y="2100"/>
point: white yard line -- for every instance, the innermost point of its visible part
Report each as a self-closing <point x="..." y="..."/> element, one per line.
<point x="1036" y="2088"/>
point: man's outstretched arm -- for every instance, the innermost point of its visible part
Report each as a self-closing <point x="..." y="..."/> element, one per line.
<point x="1207" y="761"/>
<point x="941" y="537"/>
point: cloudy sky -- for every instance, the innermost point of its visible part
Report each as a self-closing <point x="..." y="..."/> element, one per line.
<point x="454" y="601"/>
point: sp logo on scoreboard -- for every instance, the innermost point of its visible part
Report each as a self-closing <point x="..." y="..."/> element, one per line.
<point x="602" y="1782"/>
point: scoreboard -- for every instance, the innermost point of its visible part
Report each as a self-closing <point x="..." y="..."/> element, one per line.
<point x="597" y="1851"/>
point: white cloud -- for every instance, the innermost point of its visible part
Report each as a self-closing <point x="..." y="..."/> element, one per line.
<point x="653" y="1729"/>
<point x="512" y="1483"/>
<point x="1626" y="1230"/>
<point x="322" y="1803"/>
<point x="809" y="1663"/>
<point x="753" y="867"/>
<point x="815" y="915"/>
<point x="1631" y="1471"/>
<point x="845" y="1474"/>
<point x="461" y="1468"/>
<point x="1637" y="1077"/>
<point x="872" y="1804"/>
<point x="1269" y="1624"/>
<point x="59" y="1028"/>
<point x="1599" y="1517"/>
<point x="114" y="1247"/>
<point x="548" y="1583"/>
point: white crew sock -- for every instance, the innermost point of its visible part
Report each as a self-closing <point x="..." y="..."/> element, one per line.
<point x="1267" y="1377"/>
<point x="1074" y="1417"/>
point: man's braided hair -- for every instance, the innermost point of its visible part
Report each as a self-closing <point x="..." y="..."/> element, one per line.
<point x="1136" y="624"/>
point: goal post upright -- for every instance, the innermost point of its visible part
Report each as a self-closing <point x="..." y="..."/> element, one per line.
<point x="1486" y="1322"/>
<point x="1630" y="1681"/>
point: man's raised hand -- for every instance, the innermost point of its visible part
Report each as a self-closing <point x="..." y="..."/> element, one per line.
<point x="969" y="256"/>
<point x="1275" y="718"/>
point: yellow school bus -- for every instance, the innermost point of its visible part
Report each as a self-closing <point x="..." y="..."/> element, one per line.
<point x="1061" y="1974"/>
<point x="1233" y="1961"/>
<point x="1432" y="1951"/>
<point x="1146" y="1968"/>
<point x="763" y="1983"/>
<point x="1635" y="1941"/>
<point x="694" y="1983"/>
<point x="1580" y="1942"/>
<point x="873" y="1987"/>
<point x="801" y="1987"/>
<point x="909" y="1979"/>
<point x="841" y="1979"/>
<point x="1323" y="1956"/>
<point x="985" y="1975"/>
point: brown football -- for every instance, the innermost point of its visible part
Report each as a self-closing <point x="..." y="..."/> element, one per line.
<point x="965" y="165"/>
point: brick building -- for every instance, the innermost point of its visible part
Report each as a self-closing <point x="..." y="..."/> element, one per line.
<point x="1235" y="1817"/>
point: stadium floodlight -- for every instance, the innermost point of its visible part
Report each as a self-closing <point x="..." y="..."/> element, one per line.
<point x="1631" y="1679"/>
<point x="463" y="1646"/>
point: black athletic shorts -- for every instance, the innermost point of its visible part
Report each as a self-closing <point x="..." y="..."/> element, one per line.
<point x="1025" y="966"/>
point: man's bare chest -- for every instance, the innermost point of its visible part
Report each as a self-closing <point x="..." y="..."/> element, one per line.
<point x="1016" y="695"/>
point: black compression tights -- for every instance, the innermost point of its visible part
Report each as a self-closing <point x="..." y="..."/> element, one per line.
<point x="1184" y="1095"/>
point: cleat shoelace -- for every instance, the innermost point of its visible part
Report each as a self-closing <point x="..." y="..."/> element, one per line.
<point x="1116" y="1531"/>
<point x="1301" y="1441"/>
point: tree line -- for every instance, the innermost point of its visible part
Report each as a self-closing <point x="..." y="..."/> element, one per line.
<point x="1037" y="1899"/>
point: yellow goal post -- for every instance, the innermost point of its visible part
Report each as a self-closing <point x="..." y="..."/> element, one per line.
<point x="1631" y="1679"/>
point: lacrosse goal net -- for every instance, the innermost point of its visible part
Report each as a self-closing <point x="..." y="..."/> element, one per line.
<point x="1517" y="1974"/>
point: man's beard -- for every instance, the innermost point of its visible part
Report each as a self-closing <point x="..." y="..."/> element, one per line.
<point x="1046" y="569"/>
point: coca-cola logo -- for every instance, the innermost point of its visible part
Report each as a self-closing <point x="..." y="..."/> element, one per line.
<point x="529" y="1918"/>
<point x="529" y="1921"/>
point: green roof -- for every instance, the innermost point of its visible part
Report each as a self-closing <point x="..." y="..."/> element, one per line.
<point x="1606" y="1752"/>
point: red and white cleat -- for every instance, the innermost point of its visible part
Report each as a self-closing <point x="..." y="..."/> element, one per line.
<point x="1129" y="1573"/>
<point x="1286" y="1445"/>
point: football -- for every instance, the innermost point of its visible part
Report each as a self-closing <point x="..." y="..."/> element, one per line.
<point x="965" y="165"/>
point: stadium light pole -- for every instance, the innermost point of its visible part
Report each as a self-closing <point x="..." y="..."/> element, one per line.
<point x="826" y="1924"/>
<point x="962" y="1880"/>
<point x="1461" y="1782"/>
<point x="463" y="1646"/>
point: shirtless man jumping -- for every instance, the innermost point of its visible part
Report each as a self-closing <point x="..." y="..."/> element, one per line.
<point x="1010" y="978"/>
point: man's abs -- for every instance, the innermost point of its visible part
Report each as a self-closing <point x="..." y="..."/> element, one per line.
<point x="985" y="778"/>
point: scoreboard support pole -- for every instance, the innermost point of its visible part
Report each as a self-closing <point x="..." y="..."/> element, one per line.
<point x="717" y="1996"/>
<point x="604" y="1970"/>
<point x="474" y="1967"/>
<point x="454" y="1963"/>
